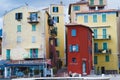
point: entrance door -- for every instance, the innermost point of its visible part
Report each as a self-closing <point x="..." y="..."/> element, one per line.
<point x="84" y="67"/>
<point x="103" y="70"/>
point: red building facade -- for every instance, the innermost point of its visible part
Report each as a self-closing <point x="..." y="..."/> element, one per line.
<point x="79" y="48"/>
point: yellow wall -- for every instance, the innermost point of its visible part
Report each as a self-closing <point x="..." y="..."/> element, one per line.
<point x="111" y="26"/>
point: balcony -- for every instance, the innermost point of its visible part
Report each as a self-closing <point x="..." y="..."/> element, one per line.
<point x="33" y="20"/>
<point x="102" y="37"/>
<point x="102" y="51"/>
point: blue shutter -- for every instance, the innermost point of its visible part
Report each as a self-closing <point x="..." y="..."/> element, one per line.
<point x="77" y="48"/>
<point x="70" y="48"/>
<point x="95" y="18"/>
<point x="85" y="19"/>
<point x="30" y="53"/>
<point x="36" y="53"/>
<point x="103" y="17"/>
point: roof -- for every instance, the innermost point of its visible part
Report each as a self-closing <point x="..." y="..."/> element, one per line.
<point x="79" y="2"/>
<point x="76" y="24"/>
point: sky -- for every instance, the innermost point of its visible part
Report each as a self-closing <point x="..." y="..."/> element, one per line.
<point x="7" y="5"/>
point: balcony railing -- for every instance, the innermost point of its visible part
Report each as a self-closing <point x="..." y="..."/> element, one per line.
<point x="33" y="20"/>
<point x="107" y="37"/>
<point x="102" y="51"/>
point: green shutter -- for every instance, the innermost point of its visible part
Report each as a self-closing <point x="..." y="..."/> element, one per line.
<point x="95" y="18"/>
<point x="36" y="53"/>
<point x="8" y="54"/>
<point x="85" y="19"/>
<point x="30" y="53"/>
<point x="91" y="2"/>
<point x="18" y="28"/>
<point x="101" y="2"/>
<point x="33" y="27"/>
<point x="95" y="59"/>
<point x="107" y="58"/>
<point x="103" y="17"/>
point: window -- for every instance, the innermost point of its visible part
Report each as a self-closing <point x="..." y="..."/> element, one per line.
<point x="18" y="16"/>
<point x="33" y="16"/>
<point x="55" y="9"/>
<point x="107" y="58"/>
<point x="58" y="53"/>
<point x="57" y="42"/>
<point x="94" y="18"/>
<point x="74" y="48"/>
<point x="101" y="2"/>
<point x="85" y="19"/>
<point x="8" y="54"/>
<point x="103" y="17"/>
<point x="91" y="2"/>
<point x="56" y="19"/>
<point x="73" y="32"/>
<point x="76" y="8"/>
<point x="74" y="60"/>
<point x="95" y="33"/>
<point x="33" y="27"/>
<point x="104" y="46"/>
<point x="18" y="28"/>
<point x="104" y="33"/>
<point x="33" y="39"/>
<point x="19" y="39"/>
<point x="34" y="53"/>
<point x="95" y="59"/>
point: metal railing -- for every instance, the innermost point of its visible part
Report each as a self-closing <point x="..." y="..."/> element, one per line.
<point x="102" y="51"/>
<point x="108" y="37"/>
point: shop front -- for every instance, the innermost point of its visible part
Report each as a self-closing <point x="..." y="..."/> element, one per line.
<point x="26" y="68"/>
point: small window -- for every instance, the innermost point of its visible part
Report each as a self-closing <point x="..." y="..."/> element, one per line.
<point x="19" y="39"/>
<point x="18" y="16"/>
<point x="33" y="27"/>
<point x="73" y="32"/>
<point x="76" y="8"/>
<point x="74" y="60"/>
<point x="55" y="9"/>
<point x="58" y="53"/>
<point x="94" y="18"/>
<point x="18" y="28"/>
<point x="56" y="19"/>
<point x="33" y="39"/>
<point x="85" y="19"/>
<point x="107" y="58"/>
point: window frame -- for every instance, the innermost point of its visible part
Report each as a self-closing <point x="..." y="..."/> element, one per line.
<point x="55" y="9"/>
<point x="76" y="8"/>
<point x="33" y="39"/>
<point x="18" y="28"/>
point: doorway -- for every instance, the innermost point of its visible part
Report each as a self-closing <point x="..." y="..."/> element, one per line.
<point x="103" y="70"/>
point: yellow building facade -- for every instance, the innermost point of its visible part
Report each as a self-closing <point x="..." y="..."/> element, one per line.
<point x="56" y="11"/>
<point x="22" y="34"/>
<point x="104" y="25"/>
